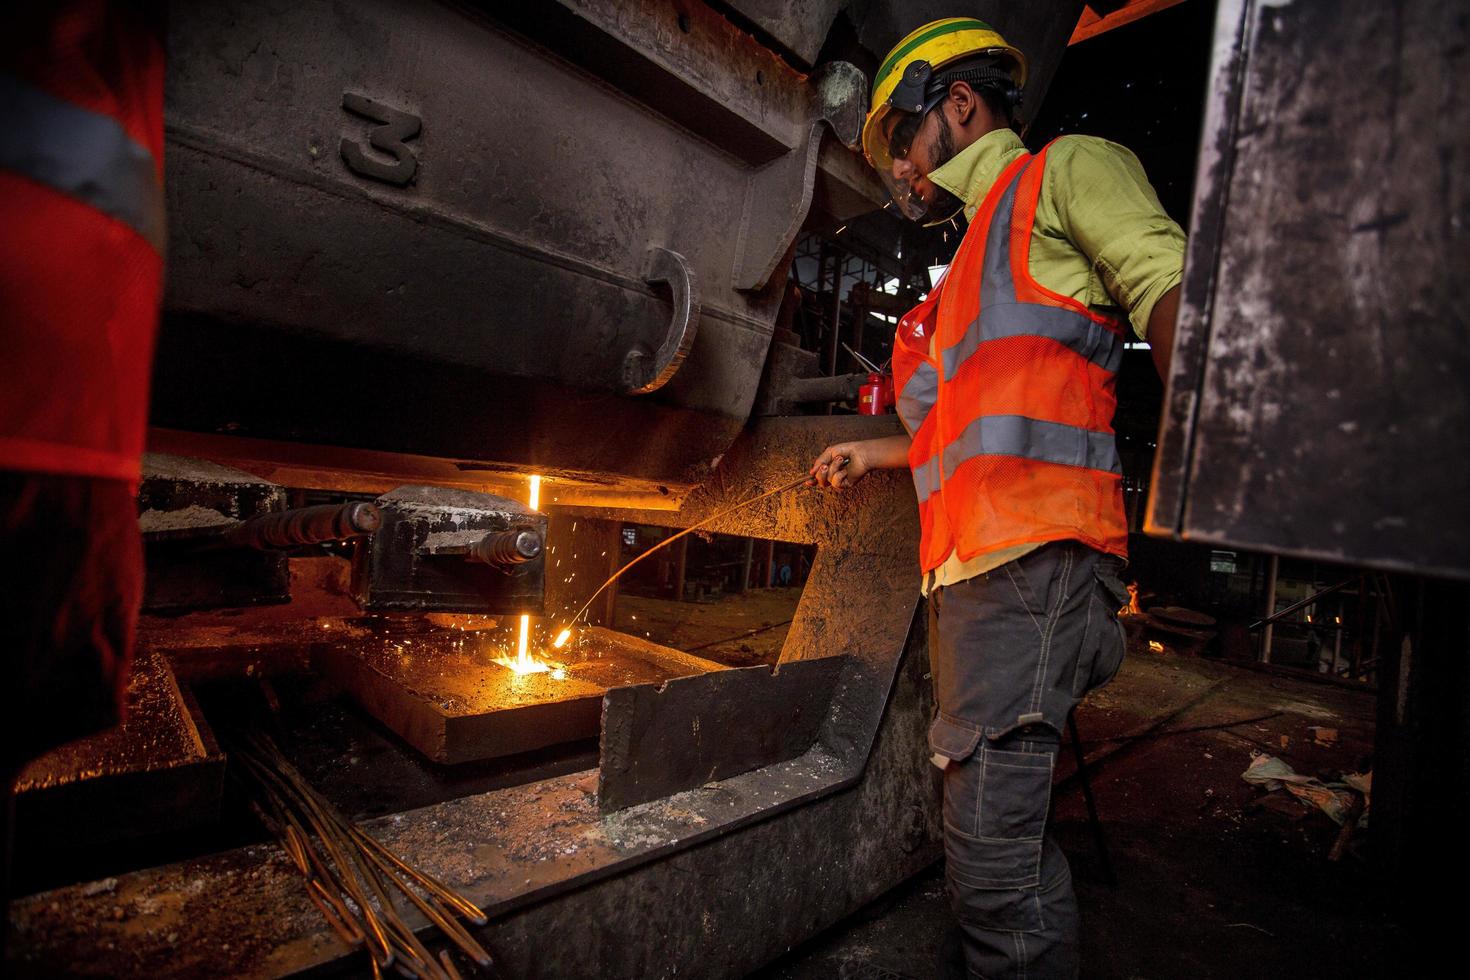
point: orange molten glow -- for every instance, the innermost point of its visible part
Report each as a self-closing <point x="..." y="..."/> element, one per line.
<point x="1155" y="646"/>
<point x="524" y="663"/>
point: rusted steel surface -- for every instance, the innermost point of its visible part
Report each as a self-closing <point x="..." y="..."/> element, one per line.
<point x="862" y="591"/>
<point x="766" y="837"/>
<point x="658" y="740"/>
<point x="301" y="526"/>
<point x="443" y="692"/>
<point x="159" y="771"/>
<point x="423" y="254"/>
<point x="1317" y="402"/>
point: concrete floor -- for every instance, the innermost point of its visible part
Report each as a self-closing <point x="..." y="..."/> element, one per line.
<point x="1216" y="878"/>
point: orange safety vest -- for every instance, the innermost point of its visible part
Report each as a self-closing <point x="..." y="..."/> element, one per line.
<point x="1007" y="392"/>
<point x="81" y="235"/>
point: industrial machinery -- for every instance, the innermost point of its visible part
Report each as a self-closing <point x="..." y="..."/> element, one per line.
<point x="420" y="254"/>
<point x="421" y="259"/>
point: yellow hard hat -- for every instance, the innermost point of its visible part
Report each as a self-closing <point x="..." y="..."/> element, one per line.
<point x="939" y="43"/>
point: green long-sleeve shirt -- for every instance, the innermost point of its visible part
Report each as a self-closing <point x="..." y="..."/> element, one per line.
<point x="1100" y="236"/>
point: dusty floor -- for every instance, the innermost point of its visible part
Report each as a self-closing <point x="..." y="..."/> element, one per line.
<point x="735" y="630"/>
<point x="1216" y="878"/>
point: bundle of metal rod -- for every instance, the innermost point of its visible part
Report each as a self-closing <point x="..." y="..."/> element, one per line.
<point x="350" y="876"/>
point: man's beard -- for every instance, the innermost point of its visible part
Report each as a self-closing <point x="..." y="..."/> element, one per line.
<point x="944" y="203"/>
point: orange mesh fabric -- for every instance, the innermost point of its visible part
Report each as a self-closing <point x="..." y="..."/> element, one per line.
<point x="1018" y="447"/>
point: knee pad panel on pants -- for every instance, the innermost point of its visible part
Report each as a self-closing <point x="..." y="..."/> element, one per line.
<point x="994" y="886"/>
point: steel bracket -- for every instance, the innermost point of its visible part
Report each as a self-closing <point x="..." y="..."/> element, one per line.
<point x="771" y="217"/>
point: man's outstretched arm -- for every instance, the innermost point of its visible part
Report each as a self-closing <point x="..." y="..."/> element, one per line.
<point x="890" y="452"/>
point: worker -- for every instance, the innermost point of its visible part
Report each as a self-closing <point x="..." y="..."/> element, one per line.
<point x="81" y="273"/>
<point x="1005" y="379"/>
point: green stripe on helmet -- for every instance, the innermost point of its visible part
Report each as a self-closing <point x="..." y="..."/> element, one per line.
<point x="960" y="25"/>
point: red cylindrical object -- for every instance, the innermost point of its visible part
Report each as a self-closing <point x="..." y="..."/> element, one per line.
<point x="875" y="397"/>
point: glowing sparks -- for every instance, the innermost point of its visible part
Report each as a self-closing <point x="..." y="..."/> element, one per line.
<point x="523" y="662"/>
<point x="562" y="638"/>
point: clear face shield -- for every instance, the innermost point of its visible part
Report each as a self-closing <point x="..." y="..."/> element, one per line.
<point x="890" y="132"/>
<point x="903" y="128"/>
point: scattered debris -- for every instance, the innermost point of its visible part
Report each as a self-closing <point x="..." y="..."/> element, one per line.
<point x="1326" y="737"/>
<point x="1336" y="800"/>
<point x="350" y="875"/>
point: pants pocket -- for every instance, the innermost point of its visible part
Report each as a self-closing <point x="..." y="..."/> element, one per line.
<point x="1105" y="641"/>
<point x="1015" y="791"/>
<point x="956" y="742"/>
<point x="995" y="874"/>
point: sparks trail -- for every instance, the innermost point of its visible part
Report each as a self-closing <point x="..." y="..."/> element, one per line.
<point x="566" y="632"/>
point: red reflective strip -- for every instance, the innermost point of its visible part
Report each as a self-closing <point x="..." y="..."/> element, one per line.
<point x="53" y="457"/>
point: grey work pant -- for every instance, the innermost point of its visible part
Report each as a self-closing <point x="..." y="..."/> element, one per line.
<point x="1016" y="648"/>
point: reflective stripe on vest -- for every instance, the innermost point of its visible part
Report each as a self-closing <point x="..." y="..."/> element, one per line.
<point x="1015" y="398"/>
<point x="1002" y="316"/>
<point x="1017" y="435"/>
<point x="1078" y="333"/>
<point x="83" y="154"/>
<point x="918" y="397"/>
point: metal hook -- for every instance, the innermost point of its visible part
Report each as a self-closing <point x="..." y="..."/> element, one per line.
<point x="645" y="372"/>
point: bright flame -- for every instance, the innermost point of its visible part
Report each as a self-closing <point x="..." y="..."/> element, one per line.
<point x="524" y="663"/>
<point x="1155" y="646"/>
<point x="562" y="638"/>
<point x="1133" y="608"/>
